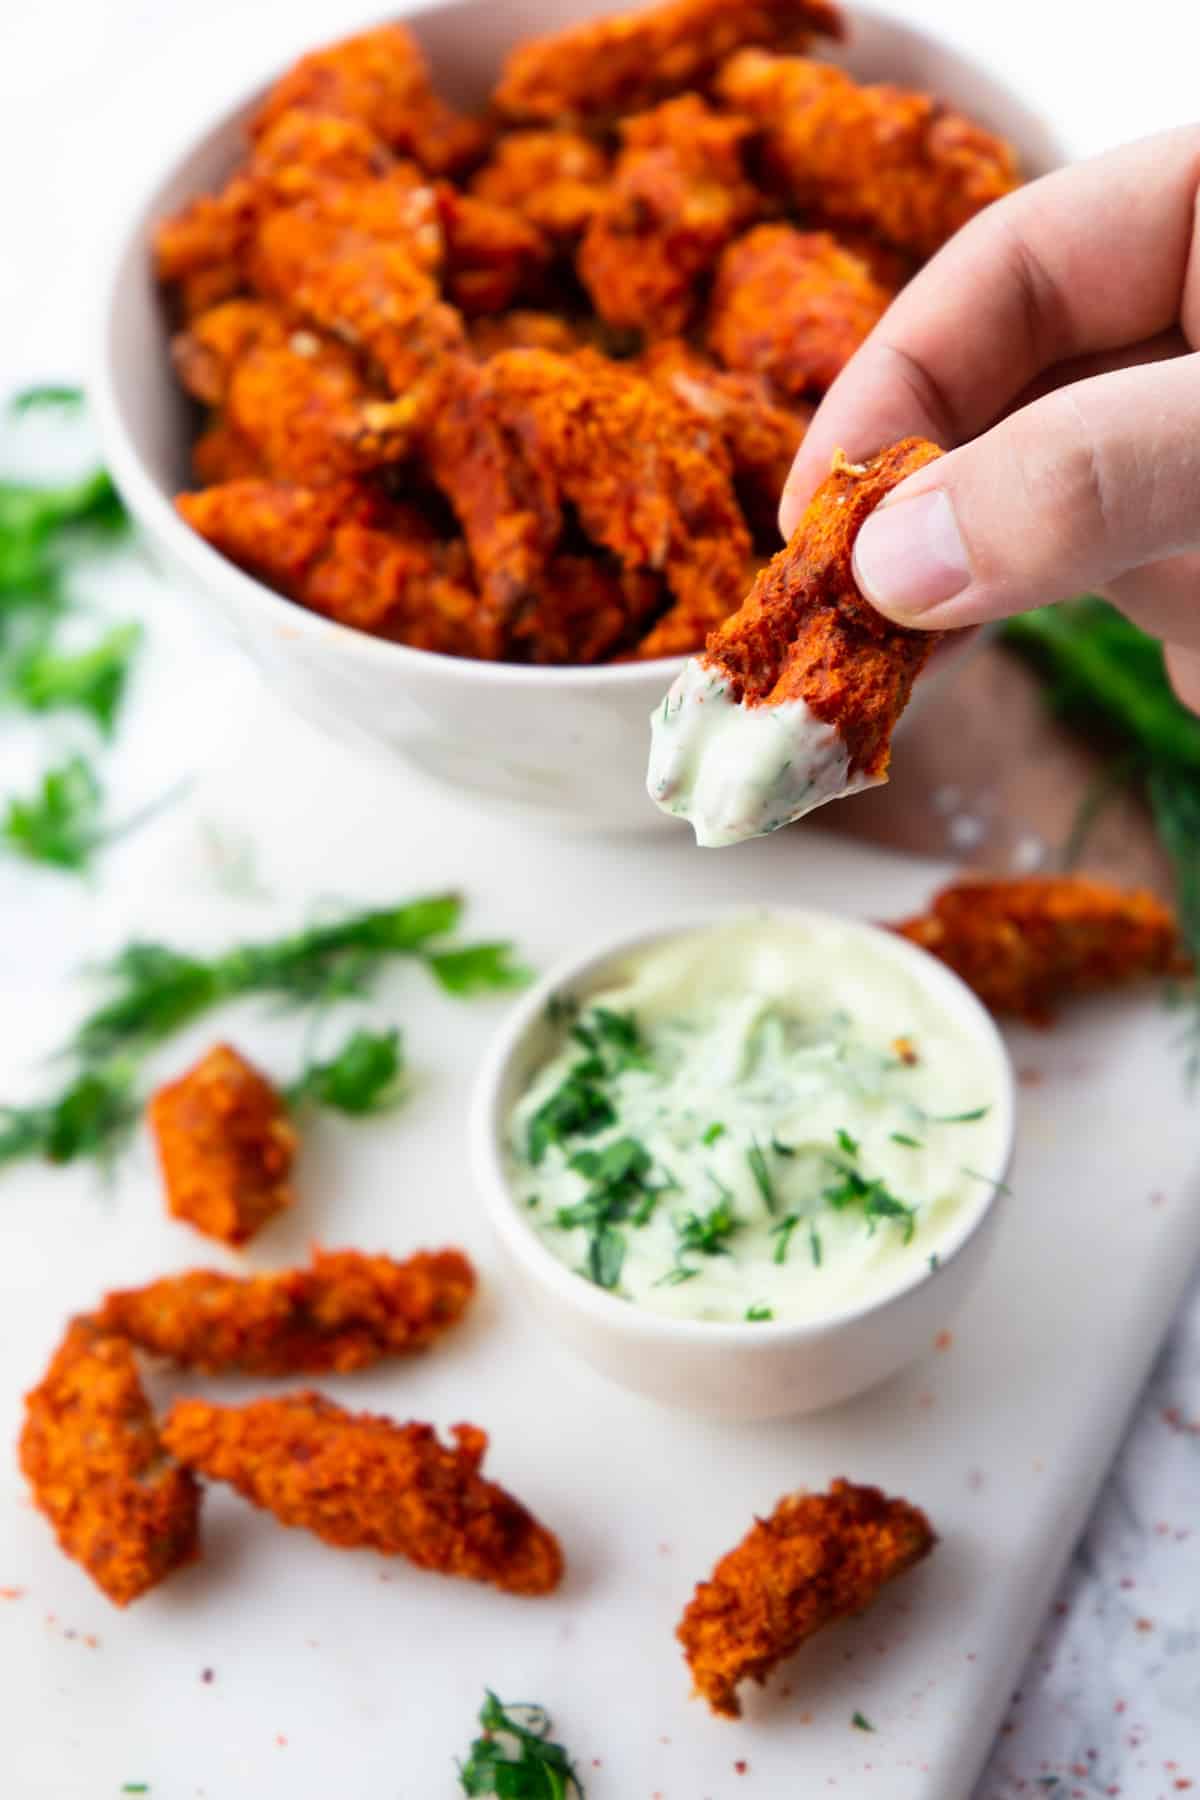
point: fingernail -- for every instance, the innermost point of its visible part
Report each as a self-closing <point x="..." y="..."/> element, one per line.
<point x="910" y="557"/>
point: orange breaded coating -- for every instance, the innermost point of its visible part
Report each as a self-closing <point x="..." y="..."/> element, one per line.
<point x="806" y="633"/>
<point x="198" y="251"/>
<point x="494" y="255"/>
<point x="91" y="1452"/>
<point x="884" y="157"/>
<point x="345" y="1312"/>
<point x="381" y="78"/>
<point x="648" y="480"/>
<point x="792" y="306"/>
<point x="817" y="1558"/>
<point x="555" y="179"/>
<point x="524" y="329"/>
<point x="587" y="608"/>
<point x="679" y="193"/>
<point x="345" y="553"/>
<point x="761" y="435"/>
<point x="610" y="66"/>
<point x="1026" y="943"/>
<point x="225" y="1147"/>
<point x="359" y="1481"/>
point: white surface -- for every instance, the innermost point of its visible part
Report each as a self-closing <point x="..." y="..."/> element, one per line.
<point x="1111" y="1700"/>
<point x="371" y="1671"/>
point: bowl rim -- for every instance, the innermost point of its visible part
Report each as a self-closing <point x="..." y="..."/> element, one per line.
<point x="608" y="1311"/>
<point x="128" y="239"/>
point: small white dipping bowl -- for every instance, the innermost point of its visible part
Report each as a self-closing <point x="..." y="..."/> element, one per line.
<point x="753" y="1371"/>
<point x="568" y="744"/>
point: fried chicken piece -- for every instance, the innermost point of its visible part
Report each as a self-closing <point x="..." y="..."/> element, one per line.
<point x="344" y="552"/>
<point x="792" y="306"/>
<point x="381" y="78"/>
<point x="344" y="1312"/>
<point x="555" y="179"/>
<point x="817" y="1558"/>
<point x="198" y="251"/>
<point x="649" y="480"/>
<point x="761" y="435"/>
<point x="91" y="1452"/>
<point x="587" y="608"/>
<point x="678" y="194"/>
<point x="807" y="674"/>
<point x="225" y="1146"/>
<point x="494" y="255"/>
<point x="610" y="66"/>
<point x="1024" y="944"/>
<point x="896" y="161"/>
<point x="221" y="454"/>
<point x="524" y="329"/>
<point x="359" y="1481"/>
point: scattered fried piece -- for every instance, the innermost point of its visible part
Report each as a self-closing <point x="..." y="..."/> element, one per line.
<point x="359" y="1481"/>
<point x="678" y="194"/>
<point x="792" y="306"/>
<point x="611" y="66"/>
<point x="94" y="1459"/>
<point x="1026" y="943"/>
<point x="555" y="179"/>
<point x="345" y="1312"/>
<point x="382" y="79"/>
<point x="817" y="1558"/>
<point x="225" y="1146"/>
<point x="884" y="157"/>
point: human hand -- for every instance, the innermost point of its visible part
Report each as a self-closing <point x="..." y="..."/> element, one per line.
<point x="1054" y="342"/>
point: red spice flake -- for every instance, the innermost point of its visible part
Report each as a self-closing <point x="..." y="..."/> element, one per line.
<point x="906" y="1050"/>
<point x="943" y="1340"/>
<point x="1119" y="1706"/>
<point x="206" y="1676"/>
<point x="1183" y="1784"/>
<point x="11" y="1593"/>
<point x="1080" y="1769"/>
<point x="91" y="1640"/>
<point x="1144" y="1625"/>
<point x="740" y="1768"/>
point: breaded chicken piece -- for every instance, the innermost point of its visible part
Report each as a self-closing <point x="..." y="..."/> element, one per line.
<point x="648" y="480"/>
<point x="805" y="632"/>
<point x="91" y="1452"/>
<point x="761" y="435"/>
<point x="555" y="179"/>
<point x="525" y="329"/>
<point x="1025" y="944"/>
<point x="587" y="609"/>
<point x="345" y="1311"/>
<point x="345" y="553"/>
<point x="221" y="454"/>
<point x="295" y="404"/>
<point x="610" y="66"/>
<point x="494" y="254"/>
<point x="198" y="251"/>
<point x="359" y="1481"/>
<point x="679" y="192"/>
<point x="817" y="1558"/>
<point x="896" y="161"/>
<point x="792" y="306"/>
<point x="225" y="1147"/>
<point x="381" y="78"/>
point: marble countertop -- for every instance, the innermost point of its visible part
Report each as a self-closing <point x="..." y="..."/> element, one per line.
<point x="1110" y="1701"/>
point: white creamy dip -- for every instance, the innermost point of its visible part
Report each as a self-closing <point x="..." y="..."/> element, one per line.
<point x="767" y="1119"/>
<point x="736" y="771"/>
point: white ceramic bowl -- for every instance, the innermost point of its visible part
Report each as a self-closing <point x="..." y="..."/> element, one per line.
<point x="760" y="1370"/>
<point x="569" y="744"/>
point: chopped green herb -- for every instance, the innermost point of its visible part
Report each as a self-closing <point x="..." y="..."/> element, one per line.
<point x="619" y="1191"/>
<point x="860" y="1723"/>
<point x="1001" y="1187"/>
<point x="935" y="1262"/>
<point x="714" y="1132"/>
<point x="515" y="1759"/>
<point x="707" y="1234"/>
<point x="814" y="1245"/>
<point x="758" y="1314"/>
<point x="91" y="1117"/>
<point x="606" y="1255"/>
<point x="136" y="1787"/>
<point x="477" y="969"/>
<point x="676" y="1274"/>
<point x="578" y="1107"/>
<point x="91" y="681"/>
<point x="962" y="1118"/>
<point x="534" y="1200"/>
<point x="364" y="1077"/>
<point x="762" y="1176"/>
<point x="782" y="1149"/>
<point x="614" y="1038"/>
<point x="783" y="1232"/>
<point x="36" y="524"/>
<point x="51" y="397"/>
<point x="910" y="1143"/>
<point x="876" y="1200"/>
<point x="846" y="1142"/>
<point x="60" y="823"/>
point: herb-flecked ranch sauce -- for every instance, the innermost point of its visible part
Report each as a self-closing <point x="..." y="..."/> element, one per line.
<point x="767" y="1119"/>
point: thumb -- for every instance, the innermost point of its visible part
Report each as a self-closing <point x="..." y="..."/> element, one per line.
<point x="1066" y="495"/>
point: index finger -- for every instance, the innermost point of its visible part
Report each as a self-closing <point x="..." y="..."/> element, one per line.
<point x="1091" y="258"/>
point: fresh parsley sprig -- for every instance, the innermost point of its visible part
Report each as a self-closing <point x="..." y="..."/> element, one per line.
<point x="365" y="1076"/>
<point x="515" y="1758"/>
<point x="61" y="823"/>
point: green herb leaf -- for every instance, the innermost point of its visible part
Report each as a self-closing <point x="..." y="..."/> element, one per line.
<point x="614" y="1038"/>
<point x="782" y="1149"/>
<point x="783" y="1234"/>
<point x="60" y="824"/>
<point x="477" y="969"/>
<point x="364" y="1076"/>
<point x="846" y="1143"/>
<point x="962" y="1118"/>
<point x="910" y="1143"/>
<point x="860" y="1723"/>
<point x="714" y="1132"/>
<point x="762" y="1176"/>
<point x="758" y="1314"/>
<point x="91" y="1117"/>
<point x="814" y="1245"/>
<point x="578" y="1107"/>
<point x="606" y="1254"/>
<point x="515" y="1758"/>
<point x="92" y="681"/>
<point x="51" y="397"/>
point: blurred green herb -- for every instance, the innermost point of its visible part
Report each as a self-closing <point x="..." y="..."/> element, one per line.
<point x="515" y="1758"/>
<point x="61" y="823"/>
<point x="91" y="681"/>
<point x="91" y="1117"/>
<point x="364" y="1077"/>
<point x="47" y="396"/>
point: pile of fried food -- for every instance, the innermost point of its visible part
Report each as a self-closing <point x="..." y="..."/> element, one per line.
<point x="527" y="385"/>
